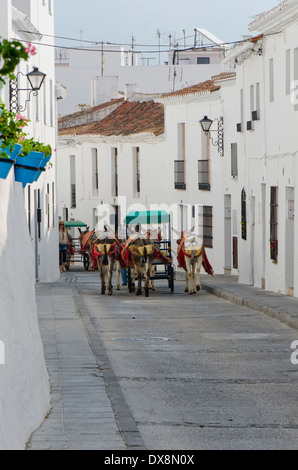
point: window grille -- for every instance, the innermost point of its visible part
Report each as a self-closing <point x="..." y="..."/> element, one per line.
<point x="234" y="160"/>
<point x="179" y="174"/>
<point x="243" y="215"/>
<point x="273" y="224"/>
<point x="204" y="174"/>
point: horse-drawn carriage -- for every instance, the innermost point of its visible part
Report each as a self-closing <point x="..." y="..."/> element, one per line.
<point x="154" y="226"/>
<point x="74" y="252"/>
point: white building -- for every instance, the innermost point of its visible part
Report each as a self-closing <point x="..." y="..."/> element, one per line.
<point x="28" y="236"/>
<point x="30" y="19"/>
<point x="95" y="75"/>
<point x="147" y="153"/>
<point x="249" y="189"/>
<point x="266" y="144"/>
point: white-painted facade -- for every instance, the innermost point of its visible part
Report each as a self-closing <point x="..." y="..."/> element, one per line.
<point x="252" y="187"/>
<point x="266" y="73"/>
<point x="27" y="255"/>
<point x="160" y="186"/>
<point x="38" y="16"/>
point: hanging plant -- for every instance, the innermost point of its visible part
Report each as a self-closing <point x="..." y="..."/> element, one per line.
<point x="31" y="145"/>
<point x="11" y="53"/>
<point x="11" y="128"/>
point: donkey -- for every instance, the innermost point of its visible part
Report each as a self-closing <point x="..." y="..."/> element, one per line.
<point x="138" y="253"/>
<point x="107" y="251"/>
<point x="191" y="256"/>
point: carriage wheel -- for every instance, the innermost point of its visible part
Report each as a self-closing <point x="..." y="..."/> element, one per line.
<point x="129" y="280"/>
<point x="86" y="261"/>
<point x="171" y="280"/>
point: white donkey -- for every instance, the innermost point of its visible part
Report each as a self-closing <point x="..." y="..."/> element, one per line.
<point x="191" y="256"/>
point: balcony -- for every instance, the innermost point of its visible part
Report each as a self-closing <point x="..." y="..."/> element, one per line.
<point x="179" y="174"/>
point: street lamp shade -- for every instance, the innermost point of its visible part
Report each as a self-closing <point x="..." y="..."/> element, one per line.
<point x="36" y="78"/>
<point x="206" y="124"/>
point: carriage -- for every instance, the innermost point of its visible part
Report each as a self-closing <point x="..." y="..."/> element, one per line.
<point x="74" y="252"/>
<point x="157" y="226"/>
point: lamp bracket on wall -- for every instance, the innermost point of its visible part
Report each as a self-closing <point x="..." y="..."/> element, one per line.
<point x="206" y="124"/>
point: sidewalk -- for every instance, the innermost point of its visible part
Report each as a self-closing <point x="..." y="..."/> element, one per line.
<point x="81" y="417"/>
<point x="279" y="306"/>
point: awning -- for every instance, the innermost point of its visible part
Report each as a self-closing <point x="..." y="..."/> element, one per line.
<point x="74" y="223"/>
<point x="147" y="217"/>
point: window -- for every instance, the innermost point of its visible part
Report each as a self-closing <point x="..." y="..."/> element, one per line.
<point x="48" y="206"/>
<point x="271" y="80"/>
<point x="258" y="105"/>
<point x="243" y="215"/>
<point x="39" y="217"/>
<point x="288" y="72"/>
<point x="51" y="104"/>
<point x="252" y="98"/>
<point x="235" y="252"/>
<point x="203" y="60"/>
<point x="234" y="160"/>
<point x="179" y="165"/>
<point x="94" y="156"/>
<point x="29" y="208"/>
<point x="53" y="203"/>
<point x="179" y="174"/>
<point x="295" y="75"/>
<point x="204" y="176"/>
<point x="73" y="199"/>
<point x="114" y="172"/>
<point x="136" y="172"/>
<point x="206" y="225"/>
<point x="273" y="223"/>
<point x="45" y="101"/>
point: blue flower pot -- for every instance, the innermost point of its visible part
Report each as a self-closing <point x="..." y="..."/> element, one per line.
<point x="27" y="167"/>
<point x="42" y="166"/>
<point x="5" y="167"/>
<point x="7" y="159"/>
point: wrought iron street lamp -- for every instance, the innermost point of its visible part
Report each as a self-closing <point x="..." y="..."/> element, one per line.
<point x="206" y="124"/>
<point x="35" y="78"/>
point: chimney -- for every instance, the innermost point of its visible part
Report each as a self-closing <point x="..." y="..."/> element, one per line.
<point x="131" y="89"/>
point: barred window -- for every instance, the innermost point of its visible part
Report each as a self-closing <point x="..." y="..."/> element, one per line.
<point x="206" y="225"/>
<point x="273" y="223"/>
<point x="234" y="160"/>
<point x="179" y="174"/>
<point x="243" y="215"/>
<point x="204" y="174"/>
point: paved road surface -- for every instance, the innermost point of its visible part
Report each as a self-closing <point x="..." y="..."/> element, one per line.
<point x="192" y="372"/>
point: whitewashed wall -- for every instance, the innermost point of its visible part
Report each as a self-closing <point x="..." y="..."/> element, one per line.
<point x="25" y="390"/>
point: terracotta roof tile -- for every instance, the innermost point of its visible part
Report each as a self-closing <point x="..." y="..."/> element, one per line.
<point x="90" y="110"/>
<point x="208" y="85"/>
<point x="129" y="118"/>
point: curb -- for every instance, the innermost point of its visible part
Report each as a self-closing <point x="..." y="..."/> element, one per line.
<point x="239" y="300"/>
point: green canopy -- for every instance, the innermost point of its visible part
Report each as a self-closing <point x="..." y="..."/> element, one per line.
<point x="147" y="217"/>
<point x="74" y="223"/>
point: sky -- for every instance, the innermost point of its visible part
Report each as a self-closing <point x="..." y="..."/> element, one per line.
<point x="117" y="21"/>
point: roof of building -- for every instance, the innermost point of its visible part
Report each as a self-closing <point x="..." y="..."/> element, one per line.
<point x="129" y="118"/>
<point x="90" y="109"/>
<point x="207" y="86"/>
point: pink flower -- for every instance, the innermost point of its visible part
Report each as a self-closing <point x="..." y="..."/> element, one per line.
<point x="30" y="50"/>
<point x="23" y="120"/>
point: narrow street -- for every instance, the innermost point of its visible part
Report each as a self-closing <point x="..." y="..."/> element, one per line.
<point x="191" y="372"/>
